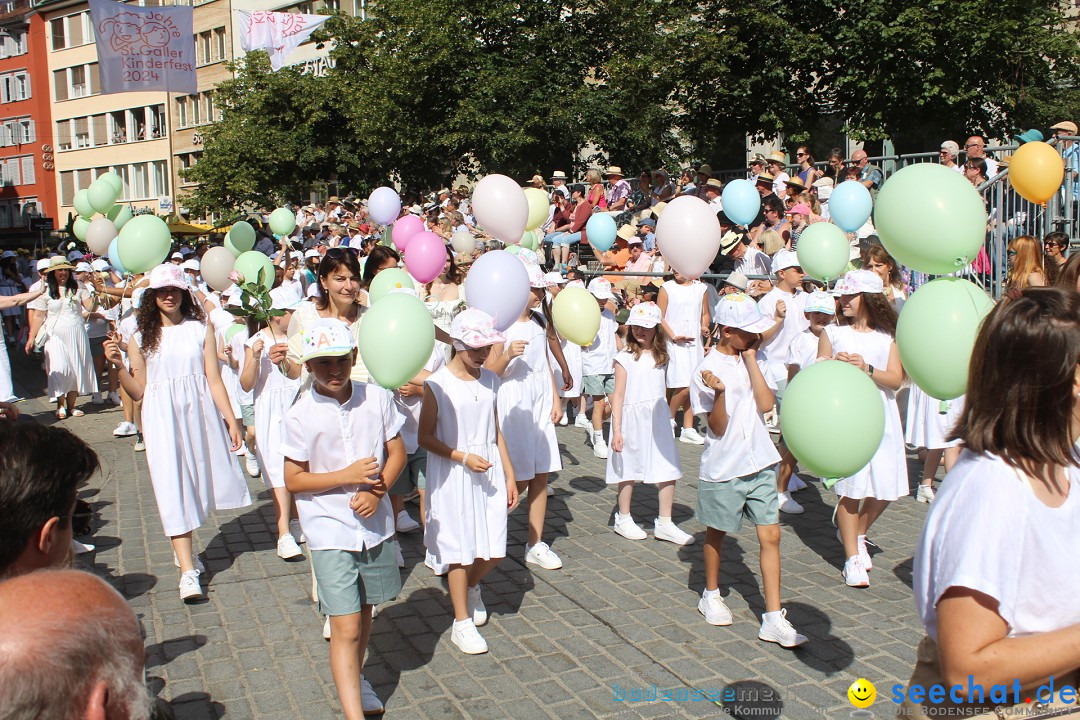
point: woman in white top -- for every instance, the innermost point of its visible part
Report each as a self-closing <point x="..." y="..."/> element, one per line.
<point x="995" y="583"/>
<point x="7" y="391"/>
<point x="877" y="260"/>
<point x="865" y="337"/>
<point x="686" y="320"/>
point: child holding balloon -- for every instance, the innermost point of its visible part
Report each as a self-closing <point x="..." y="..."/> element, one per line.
<point x="865" y="338"/>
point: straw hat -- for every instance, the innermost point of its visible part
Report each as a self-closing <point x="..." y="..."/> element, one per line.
<point x="626" y="232"/>
<point x="59" y="263"/>
<point x="614" y="170"/>
<point x="777" y="156"/>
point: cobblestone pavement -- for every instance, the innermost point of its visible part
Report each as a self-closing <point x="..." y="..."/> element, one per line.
<point x="620" y="618"/>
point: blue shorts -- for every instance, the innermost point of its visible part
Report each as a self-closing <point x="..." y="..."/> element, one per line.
<point x="350" y="579"/>
<point x="723" y="505"/>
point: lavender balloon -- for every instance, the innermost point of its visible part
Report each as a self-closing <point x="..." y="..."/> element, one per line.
<point x="384" y="205"/>
<point x="498" y="284"/>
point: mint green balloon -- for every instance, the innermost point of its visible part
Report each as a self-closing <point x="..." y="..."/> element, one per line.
<point x="387" y="281"/>
<point x="79" y="228"/>
<point x="102" y="195"/>
<point x="231" y="332"/>
<point x="930" y="218"/>
<point x="936" y="333"/>
<point x="243" y="235"/>
<point x="396" y="339"/>
<point x="255" y="267"/>
<point x="82" y="204"/>
<point x="833" y="418"/>
<point x="282" y="221"/>
<point x="528" y="240"/>
<point x="514" y="249"/>
<point x="120" y="214"/>
<point x="237" y="249"/>
<point x="824" y="251"/>
<point x="143" y="243"/>
<point x="114" y="180"/>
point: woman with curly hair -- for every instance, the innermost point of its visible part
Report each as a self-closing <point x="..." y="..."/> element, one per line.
<point x="174" y="371"/>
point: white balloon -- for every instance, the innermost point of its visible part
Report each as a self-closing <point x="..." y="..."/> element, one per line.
<point x="500" y="207"/>
<point x="463" y="241"/>
<point x="215" y="266"/>
<point x="688" y="235"/>
<point x="100" y="235"/>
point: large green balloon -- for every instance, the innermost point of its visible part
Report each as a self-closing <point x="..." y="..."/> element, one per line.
<point x="833" y="418"/>
<point x="396" y="339"/>
<point x="251" y="264"/>
<point x="143" y="243"/>
<point x="114" y="180"/>
<point x="529" y="241"/>
<point x="120" y="214"/>
<point x="101" y="195"/>
<point x="82" y="204"/>
<point x="824" y="251"/>
<point x="242" y="236"/>
<point x="79" y="228"/>
<point x="387" y="281"/>
<point x="936" y="333"/>
<point x="237" y="249"/>
<point x="282" y="221"/>
<point x="930" y="218"/>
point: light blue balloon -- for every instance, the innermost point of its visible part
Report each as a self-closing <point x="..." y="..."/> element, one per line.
<point x="741" y="201"/>
<point x="114" y="256"/>
<point x="850" y="205"/>
<point x="600" y="231"/>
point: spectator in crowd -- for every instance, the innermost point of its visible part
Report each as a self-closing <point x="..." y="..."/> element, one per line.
<point x="869" y="175"/>
<point x="756" y="166"/>
<point x="834" y="168"/>
<point x="704" y="172"/>
<point x="1054" y="246"/>
<point x="777" y="161"/>
<point x="596" y="195"/>
<point x="1025" y="264"/>
<point x="558" y="184"/>
<point x="975" y="171"/>
<point x="647" y="232"/>
<point x="1070" y="151"/>
<point x="949" y="152"/>
<point x="975" y="147"/>
<point x="686" y="184"/>
<point x="807" y="172"/>
<point x="713" y="188"/>
<point x="618" y="192"/>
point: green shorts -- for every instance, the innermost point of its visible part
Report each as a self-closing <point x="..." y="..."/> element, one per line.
<point x="597" y="385"/>
<point x="723" y="505"/>
<point x="350" y="579"/>
<point x="247" y="414"/>
<point x="412" y="475"/>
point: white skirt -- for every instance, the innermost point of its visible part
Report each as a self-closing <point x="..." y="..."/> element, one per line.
<point x="466" y="511"/>
<point x="270" y="409"/>
<point x="885" y="477"/>
<point x="682" y="361"/>
<point x="525" y="420"/>
<point x="927" y="426"/>
<point x="649" y="453"/>
<point x="572" y="354"/>
<point x="68" y="362"/>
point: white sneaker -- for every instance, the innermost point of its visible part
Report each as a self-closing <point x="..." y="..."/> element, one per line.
<point x="251" y="463"/>
<point x="190" y="589"/>
<point x="114" y="398"/>
<point x="326" y="628"/>
<point x="796" y="483"/>
<point x="369" y="701"/>
<point x="140" y="444"/>
<point x="287" y="549"/>
<point x="563" y="422"/>
<point x="467" y="638"/>
<point x="925" y="494"/>
<point x="714" y="610"/>
<point x="550" y="490"/>
<point x="435" y="567"/>
<point x="476" y="606"/>
<point x="776" y="628"/>
<point x="397" y="554"/>
<point x="405" y="523"/>
<point x="864" y="554"/>
<point x="674" y="428"/>
<point x="855" y="574"/>
<point x="96" y="399"/>
<point x="296" y="531"/>
<point x="583" y="422"/>
<point x="625" y="526"/>
<point x="125" y="429"/>
<point x="80" y="548"/>
<point x="599" y="448"/>
<point x="671" y="532"/>
<point x="199" y="567"/>
<point x="542" y="555"/>
<point x="788" y="505"/>
<point x="690" y="437"/>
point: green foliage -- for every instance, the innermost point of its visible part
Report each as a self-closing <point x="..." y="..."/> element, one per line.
<point x="255" y="302"/>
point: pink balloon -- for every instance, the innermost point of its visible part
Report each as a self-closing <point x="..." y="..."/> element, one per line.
<point x="425" y="256"/>
<point x="688" y="234"/>
<point x="403" y="230"/>
<point x="501" y="208"/>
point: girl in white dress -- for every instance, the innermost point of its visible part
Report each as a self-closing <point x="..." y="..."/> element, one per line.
<point x="865" y="338"/>
<point x="643" y="449"/>
<point x="470" y="481"/>
<point x="929" y="421"/>
<point x="686" y="320"/>
<point x="68" y="362"/>
<point x="569" y="388"/>
<point x="7" y="390"/>
<point x="528" y="413"/>
<point x="174" y="371"/>
<point x="274" y="381"/>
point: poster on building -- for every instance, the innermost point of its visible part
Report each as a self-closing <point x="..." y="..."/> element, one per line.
<point x="278" y="33"/>
<point x="144" y="48"/>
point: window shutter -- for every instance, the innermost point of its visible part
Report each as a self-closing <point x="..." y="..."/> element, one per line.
<point x="28" y="170"/>
<point x="67" y="187"/>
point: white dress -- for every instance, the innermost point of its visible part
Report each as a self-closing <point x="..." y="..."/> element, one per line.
<point x="68" y="362"/>
<point x="572" y="354"/>
<point x="683" y="316"/>
<point x="187" y="446"/>
<point x="274" y="394"/>
<point x="525" y="401"/>
<point x="649" y="453"/>
<point x="929" y="420"/>
<point x="7" y="389"/>
<point x="466" y="511"/>
<point x="885" y="476"/>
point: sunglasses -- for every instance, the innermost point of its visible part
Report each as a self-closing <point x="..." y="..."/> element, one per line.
<point x="1052" y="243"/>
<point x="1011" y="253"/>
<point x="800" y="154"/>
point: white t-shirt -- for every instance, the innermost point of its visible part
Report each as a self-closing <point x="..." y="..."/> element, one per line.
<point x="778" y="185"/>
<point x="599" y="358"/>
<point x="754" y="262"/>
<point x="329" y="437"/>
<point x="776" y="350"/>
<point x="802" y="352"/>
<point x="987" y="531"/>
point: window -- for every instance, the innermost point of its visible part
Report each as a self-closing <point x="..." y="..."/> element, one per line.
<point x="100" y="132"/>
<point x="28" y="170"/>
<point x="28" y="209"/>
<point x="67" y="187"/>
<point x="82" y="132"/>
<point x="5" y="215"/>
<point x="156" y="119"/>
<point x="11" y="174"/>
<point x="203" y="48"/>
<point x="59" y="33"/>
<point x="182" y="112"/>
<point x="141" y="187"/>
<point x="63" y="135"/>
<point x="161" y="177"/>
<point x="196" y="109"/>
<point x="125" y="177"/>
<point x="14" y="86"/>
<point x="60" y="84"/>
<point x="26" y="130"/>
<point x="13" y="44"/>
<point x="77" y="86"/>
<point x="208" y="114"/>
<point x="219" y="44"/>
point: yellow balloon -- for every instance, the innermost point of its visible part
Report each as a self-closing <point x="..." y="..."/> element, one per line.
<point x="1036" y="171"/>
<point x="538" y="207"/>
<point x="577" y="315"/>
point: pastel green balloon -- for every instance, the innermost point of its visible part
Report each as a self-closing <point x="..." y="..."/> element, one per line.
<point x="114" y="180"/>
<point x="388" y="236"/>
<point x="143" y="243"/>
<point x="255" y="267"/>
<point x="120" y="214"/>
<point x="79" y="228"/>
<point x="243" y="235"/>
<point x="231" y="332"/>
<point x="930" y="218"/>
<point x="282" y="221"/>
<point x="936" y="333"/>
<point x="396" y="339"/>
<point x="82" y="203"/>
<point x="237" y="249"/>
<point x="576" y="315"/>
<point x="823" y="251"/>
<point x="101" y="195"/>
<point x="387" y="281"/>
<point x="528" y="240"/>
<point x="514" y="249"/>
<point x="833" y="418"/>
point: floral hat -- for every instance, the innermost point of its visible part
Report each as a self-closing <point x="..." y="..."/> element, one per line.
<point x="473" y="328"/>
<point x="859" y="281"/>
<point x="646" y="315"/>
<point x="168" y="276"/>
<point x="536" y="277"/>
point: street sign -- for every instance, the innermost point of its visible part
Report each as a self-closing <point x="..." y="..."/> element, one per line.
<point x="42" y="224"/>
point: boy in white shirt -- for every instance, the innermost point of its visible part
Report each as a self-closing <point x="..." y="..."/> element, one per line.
<point x="342" y="450"/>
<point x="598" y="363"/>
<point x="819" y="309"/>
<point x="738" y="478"/>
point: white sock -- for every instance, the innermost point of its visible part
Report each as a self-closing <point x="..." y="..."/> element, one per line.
<point x="462" y="623"/>
<point x="774" y="615"/>
<point x="598" y="434"/>
<point x="711" y="593"/>
<point x="663" y="520"/>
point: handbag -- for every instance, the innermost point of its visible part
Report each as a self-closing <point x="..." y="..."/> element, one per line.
<point x="43" y="334"/>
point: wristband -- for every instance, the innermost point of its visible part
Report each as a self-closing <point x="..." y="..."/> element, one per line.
<point x="465" y="458"/>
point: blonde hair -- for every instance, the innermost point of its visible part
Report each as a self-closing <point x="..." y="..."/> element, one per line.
<point x="771" y="242"/>
<point x="593" y="176"/>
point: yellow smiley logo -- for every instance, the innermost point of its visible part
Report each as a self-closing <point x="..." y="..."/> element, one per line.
<point x="862" y="693"/>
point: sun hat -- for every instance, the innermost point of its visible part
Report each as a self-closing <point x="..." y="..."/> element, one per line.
<point x="600" y="289"/>
<point x="777" y="156"/>
<point x="949" y="145"/>
<point x="737" y="280"/>
<point x="795" y="183"/>
<point x="176" y="256"/>
<point x="646" y="315"/>
<point x="473" y="328"/>
<point x="828" y="182"/>
<point x="859" y="281"/>
<point x="757" y="159"/>
<point x="705" y="169"/>
<point x="784" y="259"/>
<point x="614" y="170"/>
<point x="74" y="255"/>
<point x="7" y="254"/>
<point x="1031" y="135"/>
<point x="558" y="175"/>
<point x="714" y="183"/>
<point x="658" y="208"/>
<point x="537" y="178"/>
<point x="83" y="267"/>
<point x="626" y="232"/>
<point x="554" y="278"/>
<point x="311" y="253"/>
<point x="824" y="188"/>
<point x="528" y="257"/>
<point x="729" y="241"/>
<point x="282" y="300"/>
<point x="536" y="277"/>
<point x="635" y="241"/>
<point x="43" y="264"/>
<point x="800" y="208"/>
<point x="765" y="178"/>
<point x="326" y="337"/>
<point x="190" y="265"/>
<point x="820" y="301"/>
<point x="738" y="310"/>
<point x="101" y="265"/>
<point x="575" y="283"/>
<point x="167" y="275"/>
<point x="1066" y="125"/>
<point x="58" y="263"/>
